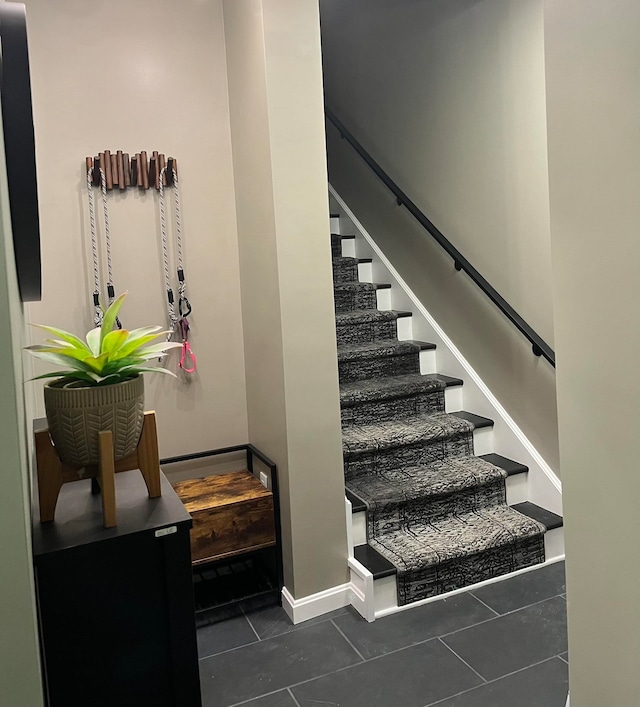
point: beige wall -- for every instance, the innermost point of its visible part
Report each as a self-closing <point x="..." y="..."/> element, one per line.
<point x="19" y="659"/>
<point x="593" y="74"/>
<point x="273" y="55"/>
<point x="448" y="96"/>
<point x="143" y="75"/>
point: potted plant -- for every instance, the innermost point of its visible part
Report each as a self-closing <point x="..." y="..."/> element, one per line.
<point x="100" y="387"/>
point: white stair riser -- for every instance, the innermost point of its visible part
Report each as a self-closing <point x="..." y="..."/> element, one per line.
<point x="365" y="272"/>
<point x="359" y="527"/>
<point x="405" y="328"/>
<point x="554" y="544"/>
<point x="383" y="299"/>
<point x="453" y="398"/>
<point x="517" y="489"/>
<point x="349" y="247"/>
<point x="385" y="593"/>
<point x="428" y="361"/>
<point x="483" y="441"/>
<point x="516" y="493"/>
<point x="335" y="224"/>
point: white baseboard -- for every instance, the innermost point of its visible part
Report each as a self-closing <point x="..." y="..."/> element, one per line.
<point x="299" y="610"/>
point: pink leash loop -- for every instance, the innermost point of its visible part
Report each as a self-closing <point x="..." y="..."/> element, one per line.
<point x="187" y="353"/>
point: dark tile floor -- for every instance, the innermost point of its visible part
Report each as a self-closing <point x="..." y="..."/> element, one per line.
<point x="500" y="646"/>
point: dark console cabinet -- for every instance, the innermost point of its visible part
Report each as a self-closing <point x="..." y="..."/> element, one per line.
<point x="116" y="605"/>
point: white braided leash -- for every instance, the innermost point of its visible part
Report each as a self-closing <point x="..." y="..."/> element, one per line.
<point x="111" y="292"/>
<point x="97" y="311"/>
<point x="182" y="286"/>
<point x="173" y="319"/>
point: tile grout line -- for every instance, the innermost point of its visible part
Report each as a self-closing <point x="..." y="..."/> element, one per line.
<point x="341" y="632"/>
<point x="498" y="616"/>
<point x="299" y="627"/>
<point x="250" y="624"/>
<point x="293" y="697"/>
<point x="484" y="604"/>
<point x="512" y="611"/>
<point x="490" y="682"/>
<point x="462" y="660"/>
<point x="332" y="672"/>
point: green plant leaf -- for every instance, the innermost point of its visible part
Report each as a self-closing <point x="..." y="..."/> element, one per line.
<point x="97" y="363"/>
<point x="109" y="319"/>
<point x="138" y="338"/>
<point x="68" y="352"/>
<point x="93" y="340"/>
<point x="129" y="346"/>
<point x="55" y="374"/>
<point x="62" y="360"/>
<point x="65" y="335"/>
<point x="113" y="341"/>
<point x="158" y="348"/>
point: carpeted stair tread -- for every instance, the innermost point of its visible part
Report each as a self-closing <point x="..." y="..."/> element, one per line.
<point x="550" y="520"/>
<point x="421" y="545"/>
<point x="404" y="432"/>
<point x="509" y="465"/>
<point x="478" y="421"/>
<point x="449" y="381"/>
<point x="356" y="392"/>
<point x="365" y="316"/>
<point x="429" y="483"/>
<point x="355" y="285"/>
<point x="361" y="326"/>
<point x="376" y="563"/>
<point x="358" y="285"/>
<point x="344" y="269"/>
<point x="350" y="296"/>
<point x="376" y="349"/>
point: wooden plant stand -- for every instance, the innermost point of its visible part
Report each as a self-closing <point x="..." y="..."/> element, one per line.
<point x="53" y="473"/>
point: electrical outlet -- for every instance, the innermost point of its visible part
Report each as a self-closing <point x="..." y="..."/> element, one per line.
<point x="263" y="480"/>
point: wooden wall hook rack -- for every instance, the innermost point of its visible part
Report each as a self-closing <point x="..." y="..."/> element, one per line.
<point x="54" y="473"/>
<point x="140" y="170"/>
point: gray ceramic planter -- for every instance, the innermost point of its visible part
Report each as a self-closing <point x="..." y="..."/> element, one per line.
<point x="76" y="415"/>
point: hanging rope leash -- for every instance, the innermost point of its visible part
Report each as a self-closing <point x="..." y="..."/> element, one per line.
<point x="176" y="323"/>
<point x="97" y="310"/>
<point x="188" y="361"/>
<point x="111" y="293"/>
<point x="171" y="308"/>
<point x="184" y="305"/>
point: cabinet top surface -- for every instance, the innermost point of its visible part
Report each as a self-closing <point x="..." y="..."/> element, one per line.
<point x="79" y="514"/>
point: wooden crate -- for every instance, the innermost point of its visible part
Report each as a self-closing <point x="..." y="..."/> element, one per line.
<point x="232" y="514"/>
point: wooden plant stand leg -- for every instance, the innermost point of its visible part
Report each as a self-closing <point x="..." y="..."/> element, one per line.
<point x="148" y="456"/>
<point x="107" y="476"/>
<point x="50" y="476"/>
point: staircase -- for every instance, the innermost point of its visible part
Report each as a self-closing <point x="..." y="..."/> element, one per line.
<point x="434" y="508"/>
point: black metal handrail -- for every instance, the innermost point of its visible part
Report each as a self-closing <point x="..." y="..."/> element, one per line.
<point x="539" y="345"/>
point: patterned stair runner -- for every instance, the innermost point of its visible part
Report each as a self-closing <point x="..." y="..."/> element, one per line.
<point x="434" y="510"/>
